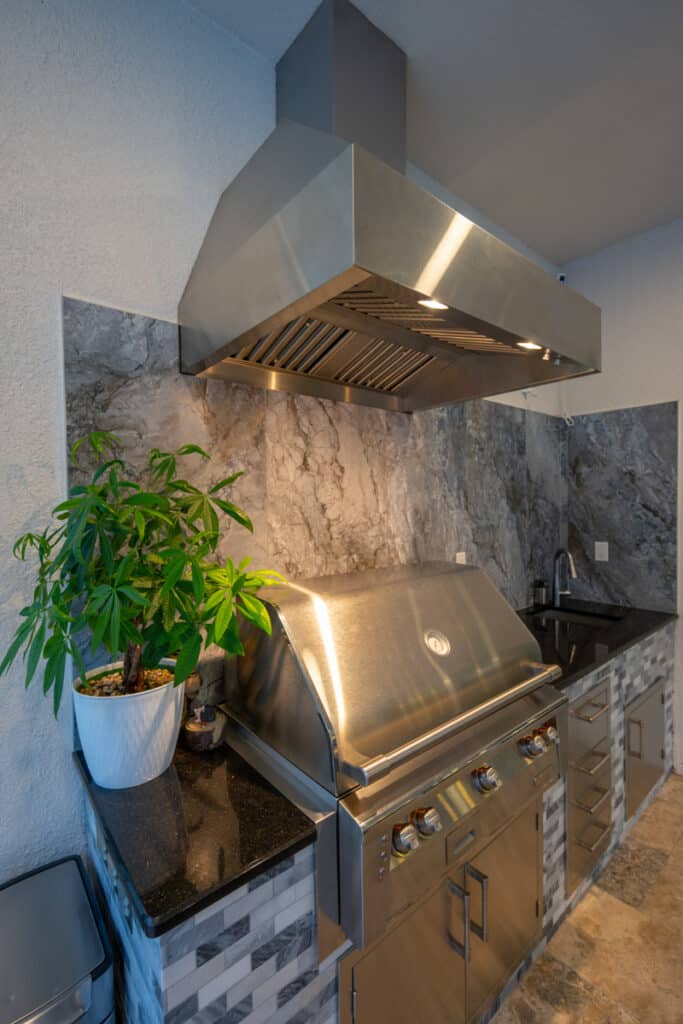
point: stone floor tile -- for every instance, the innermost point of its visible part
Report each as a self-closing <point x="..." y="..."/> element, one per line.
<point x="626" y="954"/>
<point x="632" y="872"/>
<point x="553" y="993"/>
<point x="661" y="826"/>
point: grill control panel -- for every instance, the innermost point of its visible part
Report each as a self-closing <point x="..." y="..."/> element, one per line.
<point x="411" y="845"/>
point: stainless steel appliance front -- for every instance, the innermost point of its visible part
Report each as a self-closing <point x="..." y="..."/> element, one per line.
<point x="408" y="713"/>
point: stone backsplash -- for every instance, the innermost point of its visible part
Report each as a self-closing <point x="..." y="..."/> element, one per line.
<point x="331" y="487"/>
<point x="335" y="488"/>
<point x="623" y="490"/>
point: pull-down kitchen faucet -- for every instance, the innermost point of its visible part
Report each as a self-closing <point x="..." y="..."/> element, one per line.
<point x="557" y="569"/>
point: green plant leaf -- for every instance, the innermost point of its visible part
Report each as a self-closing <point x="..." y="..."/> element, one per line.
<point x="214" y="600"/>
<point x="60" y="667"/>
<point x="254" y="610"/>
<point x="235" y="513"/>
<point x="174" y="570"/>
<point x="226" y="482"/>
<point x="192" y="449"/>
<point x="34" y="653"/>
<point x="17" y="643"/>
<point x="187" y="658"/>
<point x="133" y="595"/>
<point x="140" y="523"/>
<point x="230" y="641"/>
<point x="197" y="580"/>
<point x="223" y="617"/>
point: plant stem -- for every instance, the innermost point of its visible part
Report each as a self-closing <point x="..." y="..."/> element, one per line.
<point x="133" y="672"/>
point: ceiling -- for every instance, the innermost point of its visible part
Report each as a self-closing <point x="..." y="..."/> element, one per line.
<point x="561" y="122"/>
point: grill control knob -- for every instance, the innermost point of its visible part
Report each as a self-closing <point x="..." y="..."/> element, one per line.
<point x="532" y="746"/>
<point x="486" y="778"/>
<point x="550" y="733"/>
<point x="405" y="838"/>
<point x="427" y="820"/>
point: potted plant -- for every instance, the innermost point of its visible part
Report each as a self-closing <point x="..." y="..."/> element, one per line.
<point x="133" y="567"/>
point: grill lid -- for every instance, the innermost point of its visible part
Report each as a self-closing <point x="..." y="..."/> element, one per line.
<point x="386" y="662"/>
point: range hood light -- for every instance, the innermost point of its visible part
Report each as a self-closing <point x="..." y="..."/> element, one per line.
<point x="432" y="304"/>
<point x="531" y="346"/>
<point x="546" y="356"/>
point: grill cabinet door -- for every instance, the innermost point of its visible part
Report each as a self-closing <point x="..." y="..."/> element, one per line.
<point x="509" y="869"/>
<point x="645" y="737"/>
<point x="417" y="973"/>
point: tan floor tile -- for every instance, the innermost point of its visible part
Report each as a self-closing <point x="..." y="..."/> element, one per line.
<point x="632" y="871"/>
<point x="626" y="954"/>
<point x="553" y="993"/>
<point x="663" y="905"/>
<point x="672" y="790"/>
<point x="661" y="826"/>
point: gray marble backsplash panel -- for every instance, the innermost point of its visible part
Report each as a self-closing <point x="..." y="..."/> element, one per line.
<point x="623" y="490"/>
<point x="331" y="488"/>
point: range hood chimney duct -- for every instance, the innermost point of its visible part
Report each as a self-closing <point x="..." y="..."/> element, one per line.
<point x="343" y="76"/>
<point x="326" y="271"/>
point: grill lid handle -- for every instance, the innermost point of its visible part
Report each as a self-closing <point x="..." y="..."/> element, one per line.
<point x="374" y="769"/>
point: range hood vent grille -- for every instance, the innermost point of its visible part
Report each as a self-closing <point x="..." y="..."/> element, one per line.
<point x="430" y="323"/>
<point x="314" y="348"/>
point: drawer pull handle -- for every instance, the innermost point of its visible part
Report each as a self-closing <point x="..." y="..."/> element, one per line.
<point x="639" y="752"/>
<point x="597" y="804"/>
<point x="590" y="716"/>
<point x="583" y="766"/>
<point x="592" y="847"/>
<point x="461" y="948"/>
<point x="482" y="930"/>
<point x="462" y="843"/>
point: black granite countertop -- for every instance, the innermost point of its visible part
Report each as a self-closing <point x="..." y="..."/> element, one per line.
<point x="580" y="647"/>
<point x="205" y="827"/>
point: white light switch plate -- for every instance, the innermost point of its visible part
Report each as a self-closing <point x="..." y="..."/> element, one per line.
<point x="460" y="558"/>
<point x="601" y="551"/>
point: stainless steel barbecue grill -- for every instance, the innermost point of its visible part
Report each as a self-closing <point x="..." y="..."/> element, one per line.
<point x="407" y="711"/>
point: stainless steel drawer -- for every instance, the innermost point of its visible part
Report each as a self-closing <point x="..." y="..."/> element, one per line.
<point x="589" y="783"/>
<point x="588" y="722"/>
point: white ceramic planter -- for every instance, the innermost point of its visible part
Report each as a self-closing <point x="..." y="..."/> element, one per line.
<point x="129" y="740"/>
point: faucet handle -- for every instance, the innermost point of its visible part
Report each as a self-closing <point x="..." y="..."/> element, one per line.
<point x="571" y="566"/>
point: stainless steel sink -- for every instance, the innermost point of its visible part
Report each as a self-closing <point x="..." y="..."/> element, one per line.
<point x="581" y="618"/>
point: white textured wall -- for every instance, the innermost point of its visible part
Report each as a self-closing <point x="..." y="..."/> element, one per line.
<point x="120" y="123"/>
<point x="639" y="284"/>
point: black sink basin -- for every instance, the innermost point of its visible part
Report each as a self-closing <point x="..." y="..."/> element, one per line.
<point x="581" y="618"/>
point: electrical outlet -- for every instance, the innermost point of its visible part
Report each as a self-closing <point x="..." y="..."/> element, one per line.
<point x="460" y="558"/>
<point x="601" y="551"/>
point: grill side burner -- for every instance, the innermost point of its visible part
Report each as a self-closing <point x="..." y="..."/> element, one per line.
<point x="407" y="712"/>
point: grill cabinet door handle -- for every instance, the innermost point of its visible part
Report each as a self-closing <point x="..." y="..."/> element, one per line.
<point x="482" y="930"/>
<point x="639" y="752"/>
<point x="461" y="948"/>
<point x="384" y="763"/>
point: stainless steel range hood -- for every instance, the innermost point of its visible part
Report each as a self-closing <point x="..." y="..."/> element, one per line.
<point x="317" y="263"/>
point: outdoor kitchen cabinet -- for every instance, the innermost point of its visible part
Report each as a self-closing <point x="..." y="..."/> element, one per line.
<point x="451" y="955"/>
<point x="644" y="726"/>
